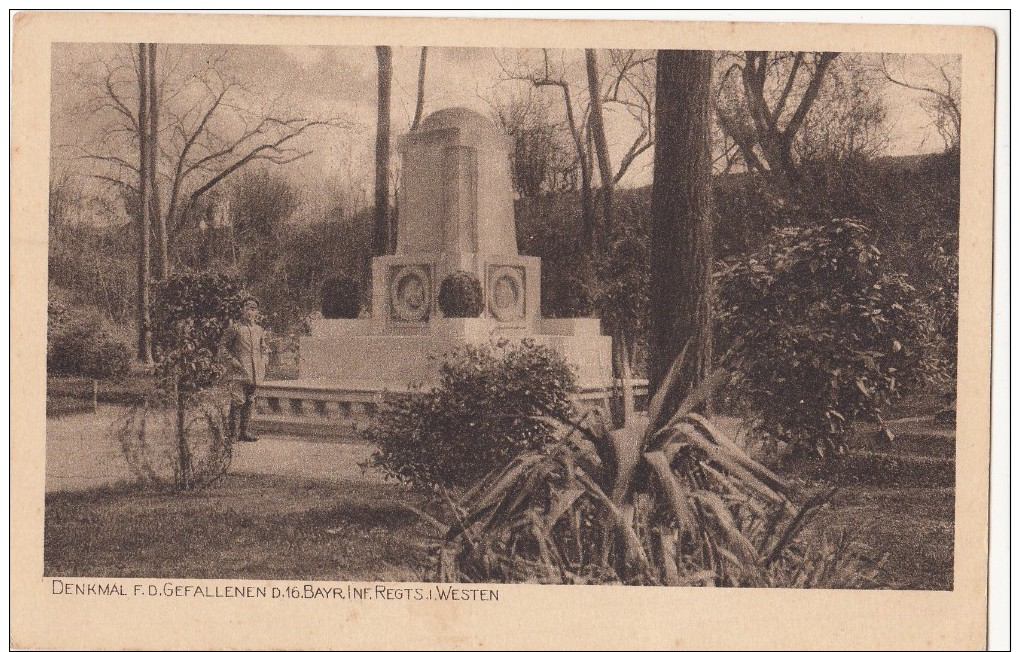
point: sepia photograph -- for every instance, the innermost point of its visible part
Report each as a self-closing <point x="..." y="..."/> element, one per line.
<point x="463" y="318"/>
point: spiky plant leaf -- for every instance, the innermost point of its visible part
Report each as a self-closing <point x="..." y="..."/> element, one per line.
<point x="669" y="384"/>
<point x="676" y="495"/>
<point x="627" y="444"/>
<point x="560" y="501"/>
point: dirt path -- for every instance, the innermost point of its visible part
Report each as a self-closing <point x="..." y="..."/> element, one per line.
<point x="82" y="453"/>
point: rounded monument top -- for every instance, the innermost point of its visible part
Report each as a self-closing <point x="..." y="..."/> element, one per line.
<point x="458" y="117"/>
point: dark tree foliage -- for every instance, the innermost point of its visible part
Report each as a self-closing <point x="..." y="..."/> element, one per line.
<point x="80" y="343"/>
<point x="550" y="227"/>
<point x="460" y="295"/>
<point x="492" y="403"/>
<point x="382" y="230"/>
<point x="190" y="314"/>
<point x="260" y="207"/>
<point x="341" y="297"/>
<point x="621" y="295"/>
<point x="315" y="253"/>
<point x="830" y="335"/>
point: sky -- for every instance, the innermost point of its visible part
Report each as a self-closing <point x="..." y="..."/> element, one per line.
<point x="341" y="83"/>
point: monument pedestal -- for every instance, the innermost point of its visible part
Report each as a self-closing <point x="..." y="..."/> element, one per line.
<point x="456" y="215"/>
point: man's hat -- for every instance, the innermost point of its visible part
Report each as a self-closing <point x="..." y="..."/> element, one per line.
<point x="247" y="300"/>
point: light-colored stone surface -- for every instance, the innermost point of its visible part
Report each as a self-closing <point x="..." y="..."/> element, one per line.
<point x="398" y="361"/>
<point x="456" y="214"/>
<point x="456" y="190"/>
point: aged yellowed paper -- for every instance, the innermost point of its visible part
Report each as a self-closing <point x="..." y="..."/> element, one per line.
<point x="262" y="139"/>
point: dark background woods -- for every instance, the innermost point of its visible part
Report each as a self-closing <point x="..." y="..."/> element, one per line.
<point x="796" y="138"/>
<point x="286" y="263"/>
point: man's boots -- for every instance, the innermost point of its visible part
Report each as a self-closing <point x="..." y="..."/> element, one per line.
<point x="232" y="422"/>
<point x="246" y="421"/>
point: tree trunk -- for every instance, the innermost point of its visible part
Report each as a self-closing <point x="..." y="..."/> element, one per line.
<point x="599" y="134"/>
<point x="162" y="253"/>
<point x="419" y="107"/>
<point x="587" y="212"/>
<point x="380" y="232"/>
<point x="681" y="233"/>
<point x="145" y="206"/>
<point x="623" y="364"/>
<point x="183" y="450"/>
<point x="394" y="221"/>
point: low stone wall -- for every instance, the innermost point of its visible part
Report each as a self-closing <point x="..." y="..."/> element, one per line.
<point x="301" y="402"/>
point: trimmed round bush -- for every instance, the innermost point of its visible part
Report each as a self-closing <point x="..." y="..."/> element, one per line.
<point x="460" y="295"/>
<point x="492" y="403"/>
<point x="341" y="297"/>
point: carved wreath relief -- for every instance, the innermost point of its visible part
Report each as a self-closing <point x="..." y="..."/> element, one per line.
<point x="410" y="293"/>
<point x="506" y="292"/>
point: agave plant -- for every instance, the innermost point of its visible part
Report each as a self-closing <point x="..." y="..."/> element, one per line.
<point x="669" y="500"/>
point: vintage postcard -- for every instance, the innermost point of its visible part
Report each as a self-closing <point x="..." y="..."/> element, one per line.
<point x="389" y="332"/>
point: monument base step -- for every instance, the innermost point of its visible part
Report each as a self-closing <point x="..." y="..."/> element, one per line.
<point x="347" y="409"/>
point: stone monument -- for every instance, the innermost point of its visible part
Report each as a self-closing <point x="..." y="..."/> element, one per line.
<point x="456" y="215"/>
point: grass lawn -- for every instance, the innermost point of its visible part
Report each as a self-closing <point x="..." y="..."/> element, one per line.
<point x="248" y="526"/>
<point x="266" y="527"/>
<point x="913" y="525"/>
<point x="278" y="515"/>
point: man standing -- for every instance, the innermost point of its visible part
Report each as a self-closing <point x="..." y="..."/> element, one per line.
<point x="245" y="344"/>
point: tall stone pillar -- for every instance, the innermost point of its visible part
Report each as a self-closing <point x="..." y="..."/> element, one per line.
<point x="460" y="200"/>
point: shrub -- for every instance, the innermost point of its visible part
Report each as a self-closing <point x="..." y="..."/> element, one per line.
<point x="944" y="297"/>
<point x="341" y="297"/>
<point x="676" y="505"/>
<point x="460" y="295"/>
<point x="153" y="436"/>
<point x="80" y="343"/>
<point x="191" y="311"/>
<point x="829" y="336"/>
<point x="491" y="404"/>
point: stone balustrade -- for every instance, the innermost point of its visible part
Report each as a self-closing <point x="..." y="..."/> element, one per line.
<point x="294" y="403"/>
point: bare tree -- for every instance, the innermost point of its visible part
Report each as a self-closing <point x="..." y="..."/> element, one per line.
<point x="631" y="86"/>
<point x="598" y="131"/>
<point x="849" y="120"/>
<point x="777" y="91"/>
<point x="419" y="107"/>
<point x="941" y="93"/>
<point x="145" y="208"/>
<point x="627" y="82"/>
<point x="159" y="218"/>
<point x="546" y="75"/>
<point x="381" y="231"/>
<point x="681" y="229"/>
<point x="193" y="128"/>
<point x="542" y="156"/>
<point x="207" y="126"/>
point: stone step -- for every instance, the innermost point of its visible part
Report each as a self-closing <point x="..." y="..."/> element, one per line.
<point x="318" y="402"/>
<point x="888" y="469"/>
<point x="934" y="445"/>
<point x="915" y="435"/>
